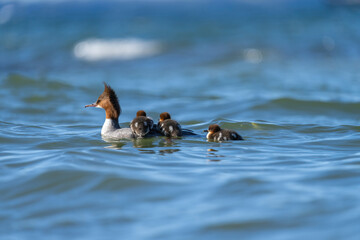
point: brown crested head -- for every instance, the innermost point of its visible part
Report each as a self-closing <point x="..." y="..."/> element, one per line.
<point x="108" y="101"/>
<point x="214" y="128"/>
<point x="141" y="113"/>
<point x="164" y="116"/>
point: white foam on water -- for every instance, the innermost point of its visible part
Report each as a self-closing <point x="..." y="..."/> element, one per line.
<point x="253" y="55"/>
<point x="6" y="13"/>
<point x="115" y="49"/>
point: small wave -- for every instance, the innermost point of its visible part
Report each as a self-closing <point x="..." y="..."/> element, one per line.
<point x="311" y="106"/>
<point x="19" y="81"/>
<point x="115" y="49"/>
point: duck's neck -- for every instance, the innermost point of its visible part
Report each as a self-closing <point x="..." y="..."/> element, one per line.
<point x="110" y="125"/>
<point x="111" y="111"/>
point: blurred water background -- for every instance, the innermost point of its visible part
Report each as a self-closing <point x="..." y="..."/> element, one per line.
<point x="285" y="74"/>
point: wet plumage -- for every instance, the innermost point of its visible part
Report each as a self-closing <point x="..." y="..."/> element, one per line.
<point x="215" y="133"/>
<point x="141" y="125"/>
<point x="169" y="127"/>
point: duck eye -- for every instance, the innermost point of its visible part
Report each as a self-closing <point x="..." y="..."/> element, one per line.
<point x="98" y="101"/>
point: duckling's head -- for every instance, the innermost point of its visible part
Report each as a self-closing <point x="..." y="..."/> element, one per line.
<point x="213" y="129"/>
<point x="164" y="116"/>
<point x="141" y="113"/>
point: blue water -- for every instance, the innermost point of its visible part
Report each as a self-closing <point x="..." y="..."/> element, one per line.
<point x="285" y="75"/>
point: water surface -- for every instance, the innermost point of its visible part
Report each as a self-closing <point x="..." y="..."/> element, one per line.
<point x="285" y="77"/>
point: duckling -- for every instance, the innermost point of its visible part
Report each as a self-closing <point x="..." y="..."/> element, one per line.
<point x="141" y="125"/>
<point x="217" y="134"/>
<point x="169" y="127"/>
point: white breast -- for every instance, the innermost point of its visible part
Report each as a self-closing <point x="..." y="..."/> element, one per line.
<point x="111" y="130"/>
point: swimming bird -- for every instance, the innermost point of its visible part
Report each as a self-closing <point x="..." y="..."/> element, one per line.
<point x="141" y="125"/>
<point x="217" y="134"/>
<point x="169" y="127"/>
<point x="110" y="103"/>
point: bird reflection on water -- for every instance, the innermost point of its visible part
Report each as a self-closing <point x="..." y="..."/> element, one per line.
<point x="146" y="145"/>
<point x="212" y="156"/>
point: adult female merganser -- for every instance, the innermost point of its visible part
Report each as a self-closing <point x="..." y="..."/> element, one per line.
<point x="215" y="133"/>
<point x="111" y="128"/>
<point x="169" y="127"/>
<point x="141" y="125"/>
